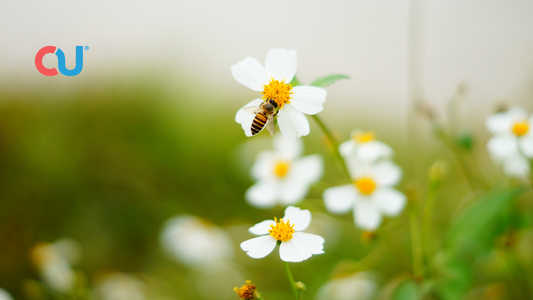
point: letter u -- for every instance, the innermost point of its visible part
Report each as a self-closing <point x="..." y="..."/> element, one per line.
<point x="61" y="62"/>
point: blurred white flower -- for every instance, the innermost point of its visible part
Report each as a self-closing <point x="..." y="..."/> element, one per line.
<point x="4" y="295"/>
<point x="370" y="195"/>
<point x="119" y="286"/>
<point x="194" y="242"/>
<point x="365" y="147"/>
<point x="295" y="246"/>
<point x="273" y="82"/>
<point x="512" y="140"/>
<point x="53" y="261"/>
<point x="354" y="287"/>
<point x="282" y="176"/>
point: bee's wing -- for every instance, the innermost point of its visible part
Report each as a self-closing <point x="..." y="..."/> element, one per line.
<point x="271" y="126"/>
<point x="252" y="109"/>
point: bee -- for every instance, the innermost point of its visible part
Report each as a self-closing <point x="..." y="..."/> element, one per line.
<point x="264" y="115"/>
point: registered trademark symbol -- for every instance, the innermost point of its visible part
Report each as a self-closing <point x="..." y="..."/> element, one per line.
<point x="86" y="48"/>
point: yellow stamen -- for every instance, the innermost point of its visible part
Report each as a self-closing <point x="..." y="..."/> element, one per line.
<point x="281" y="231"/>
<point x="278" y="91"/>
<point x="520" y="128"/>
<point x="366" y="185"/>
<point x="364" y="137"/>
<point x="247" y="291"/>
<point x="281" y="168"/>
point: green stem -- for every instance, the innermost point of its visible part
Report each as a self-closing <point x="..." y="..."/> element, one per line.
<point x="427" y="221"/>
<point x="334" y="145"/>
<point x="291" y="279"/>
<point x="415" y="243"/>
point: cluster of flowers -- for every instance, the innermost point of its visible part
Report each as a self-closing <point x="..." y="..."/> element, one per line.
<point x="283" y="177"/>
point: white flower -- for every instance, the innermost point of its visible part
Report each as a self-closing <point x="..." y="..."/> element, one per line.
<point x="354" y="287"/>
<point x="370" y="195"/>
<point x="118" y="286"/>
<point x="273" y="82"/>
<point x="54" y="263"/>
<point x="295" y="246"/>
<point x="283" y="177"/>
<point x="365" y="147"/>
<point x="194" y="242"/>
<point x="4" y="295"/>
<point x="512" y="140"/>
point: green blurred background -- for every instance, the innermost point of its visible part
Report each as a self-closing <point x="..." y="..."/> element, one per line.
<point x="107" y="167"/>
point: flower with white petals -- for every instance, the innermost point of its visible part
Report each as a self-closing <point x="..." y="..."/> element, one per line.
<point x="354" y="287"/>
<point x="53" y="260"/>
<point x="4" y="295"/>
<point x="273" y="81"/>
<point x="370" y="195"/>
<point x="295" y="246"/>
<point x="194" y="242"/>
<point x="512" y="143"/>
<point x="282" y="176"/>
<point x="119" y="286"/>
<point x="365" y="147"/>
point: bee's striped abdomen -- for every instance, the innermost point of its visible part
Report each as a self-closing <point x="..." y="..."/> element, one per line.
<point x="258" y="123"/>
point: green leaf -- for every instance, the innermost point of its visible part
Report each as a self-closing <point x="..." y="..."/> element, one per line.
<point x="479" y="215"/>
<point x="406" y="291"/>
<point x="328" y="80"/>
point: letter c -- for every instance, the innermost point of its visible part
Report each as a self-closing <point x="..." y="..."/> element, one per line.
<point x="39" y="61"/>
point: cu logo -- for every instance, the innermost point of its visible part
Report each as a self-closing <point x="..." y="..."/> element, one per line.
<point x="60" y="61"/>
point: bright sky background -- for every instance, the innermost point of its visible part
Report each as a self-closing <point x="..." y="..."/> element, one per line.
<point x="488" y="44"/>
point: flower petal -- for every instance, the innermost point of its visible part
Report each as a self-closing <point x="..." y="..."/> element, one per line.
<point x="499" y="123"/>
<point x="339" y="199"/>
<point x="312" y="242"/>
<point x="386" y="173"/>
<point x="502" y="145"/>
<point x="390" y="201"/>
<point x="259" y="247"/>
<point x="372" y="150"/>
<point x="526" y="143"/>
<point x="292" y="123"/>
<point x="347" y="148"/>
<point x="366" y="214"/>
<point x="292" y="191"/>
<point x="516" y="166"/>
<point x="517" y="113"/>
<point x="287" y="148"/>
<point x="251" y="74"/>
<point x="292" y="251"/>
<point x="308" y="99"/>
<point x="262" y="194"/>
<point x="262" y="228"/>
<point x="299" y="217"/>
<point x="264" y="166"/>
<point x="307" y="169"/>
<point x="280" y="64"/>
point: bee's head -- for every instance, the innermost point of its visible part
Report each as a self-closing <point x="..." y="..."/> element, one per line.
<point x="274" y="103"/>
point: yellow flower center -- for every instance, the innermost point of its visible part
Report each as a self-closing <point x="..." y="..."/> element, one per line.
<point x="364" y="137"/>
<point x="281" y="168"/>
<point x="366" y="185"/>
<point x="281" y="231"/>
<point x="520" y="128"/>
<point x="247" y="291"/>
<point x="278" y="91"/>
